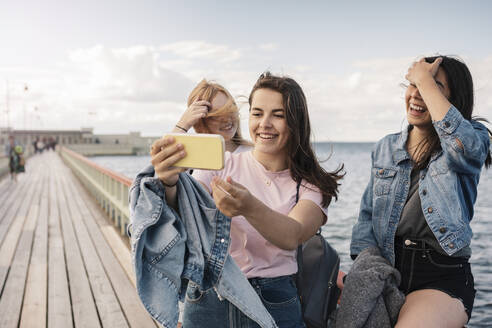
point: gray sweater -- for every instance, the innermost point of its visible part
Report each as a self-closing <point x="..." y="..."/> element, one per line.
<point x="370" y="297"/>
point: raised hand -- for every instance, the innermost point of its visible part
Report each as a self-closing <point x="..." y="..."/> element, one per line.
<point x="196" y="111"/>
<point x="164" y="153"/>
<point x="421" y="70"/>
<point x="232" y="198"/>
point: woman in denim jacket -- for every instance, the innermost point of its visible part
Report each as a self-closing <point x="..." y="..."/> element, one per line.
<point x="419" y="202"/>
<point x="257" y="189"/>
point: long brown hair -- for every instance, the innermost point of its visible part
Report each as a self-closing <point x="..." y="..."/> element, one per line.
<point x="207" y="90"/>
<point x="302" y="161"/>
<point x="460" y="85"/>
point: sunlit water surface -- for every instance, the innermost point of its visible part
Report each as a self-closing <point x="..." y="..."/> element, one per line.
<point x="343" y="213"/>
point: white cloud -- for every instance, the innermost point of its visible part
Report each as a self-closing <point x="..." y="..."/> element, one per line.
<point x="368" y="102"/>
<point x="482" y="79"/>
<point x="119" y="85"/>
<point x="202" y="50"/>
<point x="268" y="46"/>
<point x="362" y="104"/>
<point x="353" y="80"/>
<point x="130" y="74"/>
<point x="144" y="88"/>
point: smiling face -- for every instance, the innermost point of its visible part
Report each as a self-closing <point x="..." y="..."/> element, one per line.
<point x="417" y="113"/>
<point x="267" y="124"/>
<point x="224" y="125"/>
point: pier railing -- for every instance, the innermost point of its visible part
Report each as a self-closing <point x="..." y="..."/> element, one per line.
<point x="109" y="188"/>
<point x="103" y="149"/>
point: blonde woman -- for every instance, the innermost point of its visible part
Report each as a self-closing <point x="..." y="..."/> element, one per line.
<point x="212" y="109"/>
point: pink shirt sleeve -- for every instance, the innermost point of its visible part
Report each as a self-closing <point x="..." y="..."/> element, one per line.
<point x="312" y="193"/>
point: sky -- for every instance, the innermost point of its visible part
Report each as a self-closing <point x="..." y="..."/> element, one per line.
<point x="121" y="66"/>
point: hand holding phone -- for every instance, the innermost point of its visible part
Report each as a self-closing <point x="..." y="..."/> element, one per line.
<point x="203" y="151"/>
<point x="165" y="152"/>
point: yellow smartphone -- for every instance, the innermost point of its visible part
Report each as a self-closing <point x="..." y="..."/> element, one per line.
<point x="203" y="151"/>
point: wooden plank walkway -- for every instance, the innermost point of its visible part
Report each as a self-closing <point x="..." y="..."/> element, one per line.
<point x="61" y="263"/>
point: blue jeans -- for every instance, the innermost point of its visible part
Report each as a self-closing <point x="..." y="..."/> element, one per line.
<point x="279" y="295"/>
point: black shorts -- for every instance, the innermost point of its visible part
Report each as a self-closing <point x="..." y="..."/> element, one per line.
<point x="422" y="267"/>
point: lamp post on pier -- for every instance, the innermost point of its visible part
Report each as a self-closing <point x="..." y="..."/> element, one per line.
<point x="25" y="89"/>
<point x="7" y="100"/>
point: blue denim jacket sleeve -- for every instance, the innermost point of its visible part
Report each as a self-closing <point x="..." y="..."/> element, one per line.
<point x="362" y="232"/>
<point x="134" y="193"/>
<point x="474" y="138"/>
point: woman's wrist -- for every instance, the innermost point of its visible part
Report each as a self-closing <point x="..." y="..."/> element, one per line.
<point x="437" y="104"/>
<point x="185" y="124"/>
<point x="255" y="210"/>
<point x="424" y="80"/>
<point x="182" y="128"/>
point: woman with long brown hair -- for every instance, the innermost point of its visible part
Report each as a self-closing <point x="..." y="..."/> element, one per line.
<point x="277" y="195"/>
<point x="419" y="202"/>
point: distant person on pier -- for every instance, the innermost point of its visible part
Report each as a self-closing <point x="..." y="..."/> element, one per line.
<point x="212" y="109"/>
<point x="420" y="198"/>
<point x="51" y="144"/>
<point x="35" y="145"/>
<point x="40" y="145"/>
<point x="14" y="152"/>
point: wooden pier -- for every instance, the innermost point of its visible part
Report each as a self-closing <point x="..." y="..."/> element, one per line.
<point x="62" y="263"/>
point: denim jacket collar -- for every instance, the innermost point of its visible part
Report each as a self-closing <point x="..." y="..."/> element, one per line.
<point x="400" y="154"/>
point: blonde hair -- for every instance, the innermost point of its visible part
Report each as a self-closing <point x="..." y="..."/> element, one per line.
<point x="206" y="90"/>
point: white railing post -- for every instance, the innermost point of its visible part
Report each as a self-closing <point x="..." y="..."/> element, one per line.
<point x="109" y="188"/>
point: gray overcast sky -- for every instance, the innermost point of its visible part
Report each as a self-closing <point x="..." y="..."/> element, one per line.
<point x="122" y="66"/>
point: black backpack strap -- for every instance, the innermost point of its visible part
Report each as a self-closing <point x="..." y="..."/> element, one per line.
<point x="297" y="191"/>
<point x="299" y="248"/>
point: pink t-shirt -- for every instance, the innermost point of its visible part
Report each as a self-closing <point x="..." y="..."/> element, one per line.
<point x="255" y="256"/>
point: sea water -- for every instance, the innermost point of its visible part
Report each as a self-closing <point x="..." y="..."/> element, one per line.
<point x="342" y="214"/>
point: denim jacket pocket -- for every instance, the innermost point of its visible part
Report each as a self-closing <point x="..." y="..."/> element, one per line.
<point x="279" y="293"/>
<point x="160" y="240"/>
<point x="383" y="178"/>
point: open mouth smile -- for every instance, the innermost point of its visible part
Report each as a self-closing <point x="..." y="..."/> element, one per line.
<point x="267" y="136"/>
<point x="227" y="127"/>
<point x="416" y="110"/>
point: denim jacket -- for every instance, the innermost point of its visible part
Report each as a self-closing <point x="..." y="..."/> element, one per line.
<point x="447" y="187"/>
<point x="170" y="248"/>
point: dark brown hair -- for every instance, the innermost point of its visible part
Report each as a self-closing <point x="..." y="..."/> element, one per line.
<point x="460" y="84"/>
<point x="302" y="161"/>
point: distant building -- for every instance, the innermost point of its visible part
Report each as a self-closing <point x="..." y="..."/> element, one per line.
<point x="63" y="137"/>
<point x="83" y="140"/>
